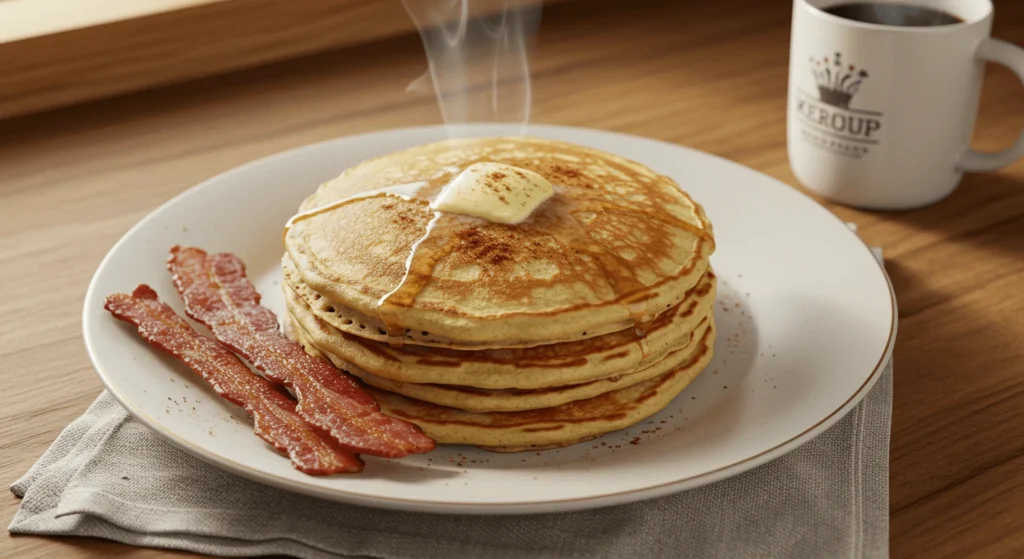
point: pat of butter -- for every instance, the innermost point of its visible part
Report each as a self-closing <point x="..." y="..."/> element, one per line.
<point x="494" y="191"/>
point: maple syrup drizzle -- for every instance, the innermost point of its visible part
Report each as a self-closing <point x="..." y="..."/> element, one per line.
<point x="641" y="322"/>
<point x="662" y="216"/>
<point x="639" y="310"/>
<point x="417" y="270"/>
<point x="423" y="257"/>
<point x="645" y="348"/>
<point x="409" y="192"/>
<point x="623" y="280"/>
<point x="619" y="271"/>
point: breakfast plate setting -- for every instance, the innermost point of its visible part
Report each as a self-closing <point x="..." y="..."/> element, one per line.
<point x="498" y="323"/>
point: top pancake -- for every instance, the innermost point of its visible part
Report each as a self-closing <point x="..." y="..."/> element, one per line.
<point x="616" y="244"/>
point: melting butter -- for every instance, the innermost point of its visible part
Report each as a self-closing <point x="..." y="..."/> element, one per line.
<point x="494" y="191"/>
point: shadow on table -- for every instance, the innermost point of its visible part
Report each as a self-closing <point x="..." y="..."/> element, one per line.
<point x="986" y="211"/>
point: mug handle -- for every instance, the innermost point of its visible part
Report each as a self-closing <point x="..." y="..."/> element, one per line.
<point x="1011" y="56"/>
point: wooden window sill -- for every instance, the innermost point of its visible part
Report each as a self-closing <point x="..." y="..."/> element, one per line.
<point x="52" y="55"/>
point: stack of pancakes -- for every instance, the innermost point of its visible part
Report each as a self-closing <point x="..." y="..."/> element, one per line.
<point x="586" y="318"/>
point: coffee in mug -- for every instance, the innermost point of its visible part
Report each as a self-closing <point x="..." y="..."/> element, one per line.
<point x="883" y="98"/>
<point x="900" y="15"/>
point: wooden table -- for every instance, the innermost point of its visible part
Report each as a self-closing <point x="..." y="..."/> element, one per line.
<point x="708" y="75"/>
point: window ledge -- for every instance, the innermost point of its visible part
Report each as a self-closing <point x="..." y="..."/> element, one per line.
<point x="52" y="56"/>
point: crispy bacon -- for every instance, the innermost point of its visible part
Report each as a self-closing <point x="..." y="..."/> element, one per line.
<point x="217" y="293"/>
<point x="311" y="450"/>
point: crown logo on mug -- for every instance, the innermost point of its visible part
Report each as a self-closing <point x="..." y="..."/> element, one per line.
<point x="837" y="83"/>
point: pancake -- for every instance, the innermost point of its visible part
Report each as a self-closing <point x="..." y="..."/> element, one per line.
<point x="538" y="447"/>
<point x="510" y="400"/>
<point x="617" y="244"/>
<point x="548" y="427"/>
<point x="522" y="368"/>
<point x="369" y="327"/>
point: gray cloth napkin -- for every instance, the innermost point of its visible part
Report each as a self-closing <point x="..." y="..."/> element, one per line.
<point x="109" y="476"/>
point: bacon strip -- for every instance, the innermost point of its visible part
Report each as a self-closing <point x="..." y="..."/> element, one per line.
<point x="311" y="451"/>
<point x="217" y="293"/>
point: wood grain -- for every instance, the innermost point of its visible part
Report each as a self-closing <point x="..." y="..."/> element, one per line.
<point x="708" y="75"/>
<point x="53" y="54"/>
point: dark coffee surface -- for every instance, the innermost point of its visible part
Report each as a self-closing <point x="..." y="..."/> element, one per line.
<point x="900" y="15"/>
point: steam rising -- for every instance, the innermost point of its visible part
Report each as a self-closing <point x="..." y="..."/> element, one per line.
<point x="479" y="65"/>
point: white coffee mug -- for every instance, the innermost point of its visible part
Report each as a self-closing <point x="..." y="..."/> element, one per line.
<point x="880" y="116"/>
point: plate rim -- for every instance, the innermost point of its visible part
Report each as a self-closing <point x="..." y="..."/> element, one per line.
<point x="490" y="508"/>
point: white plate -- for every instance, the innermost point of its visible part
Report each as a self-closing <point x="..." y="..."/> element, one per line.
<point x="806" y="321"/>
